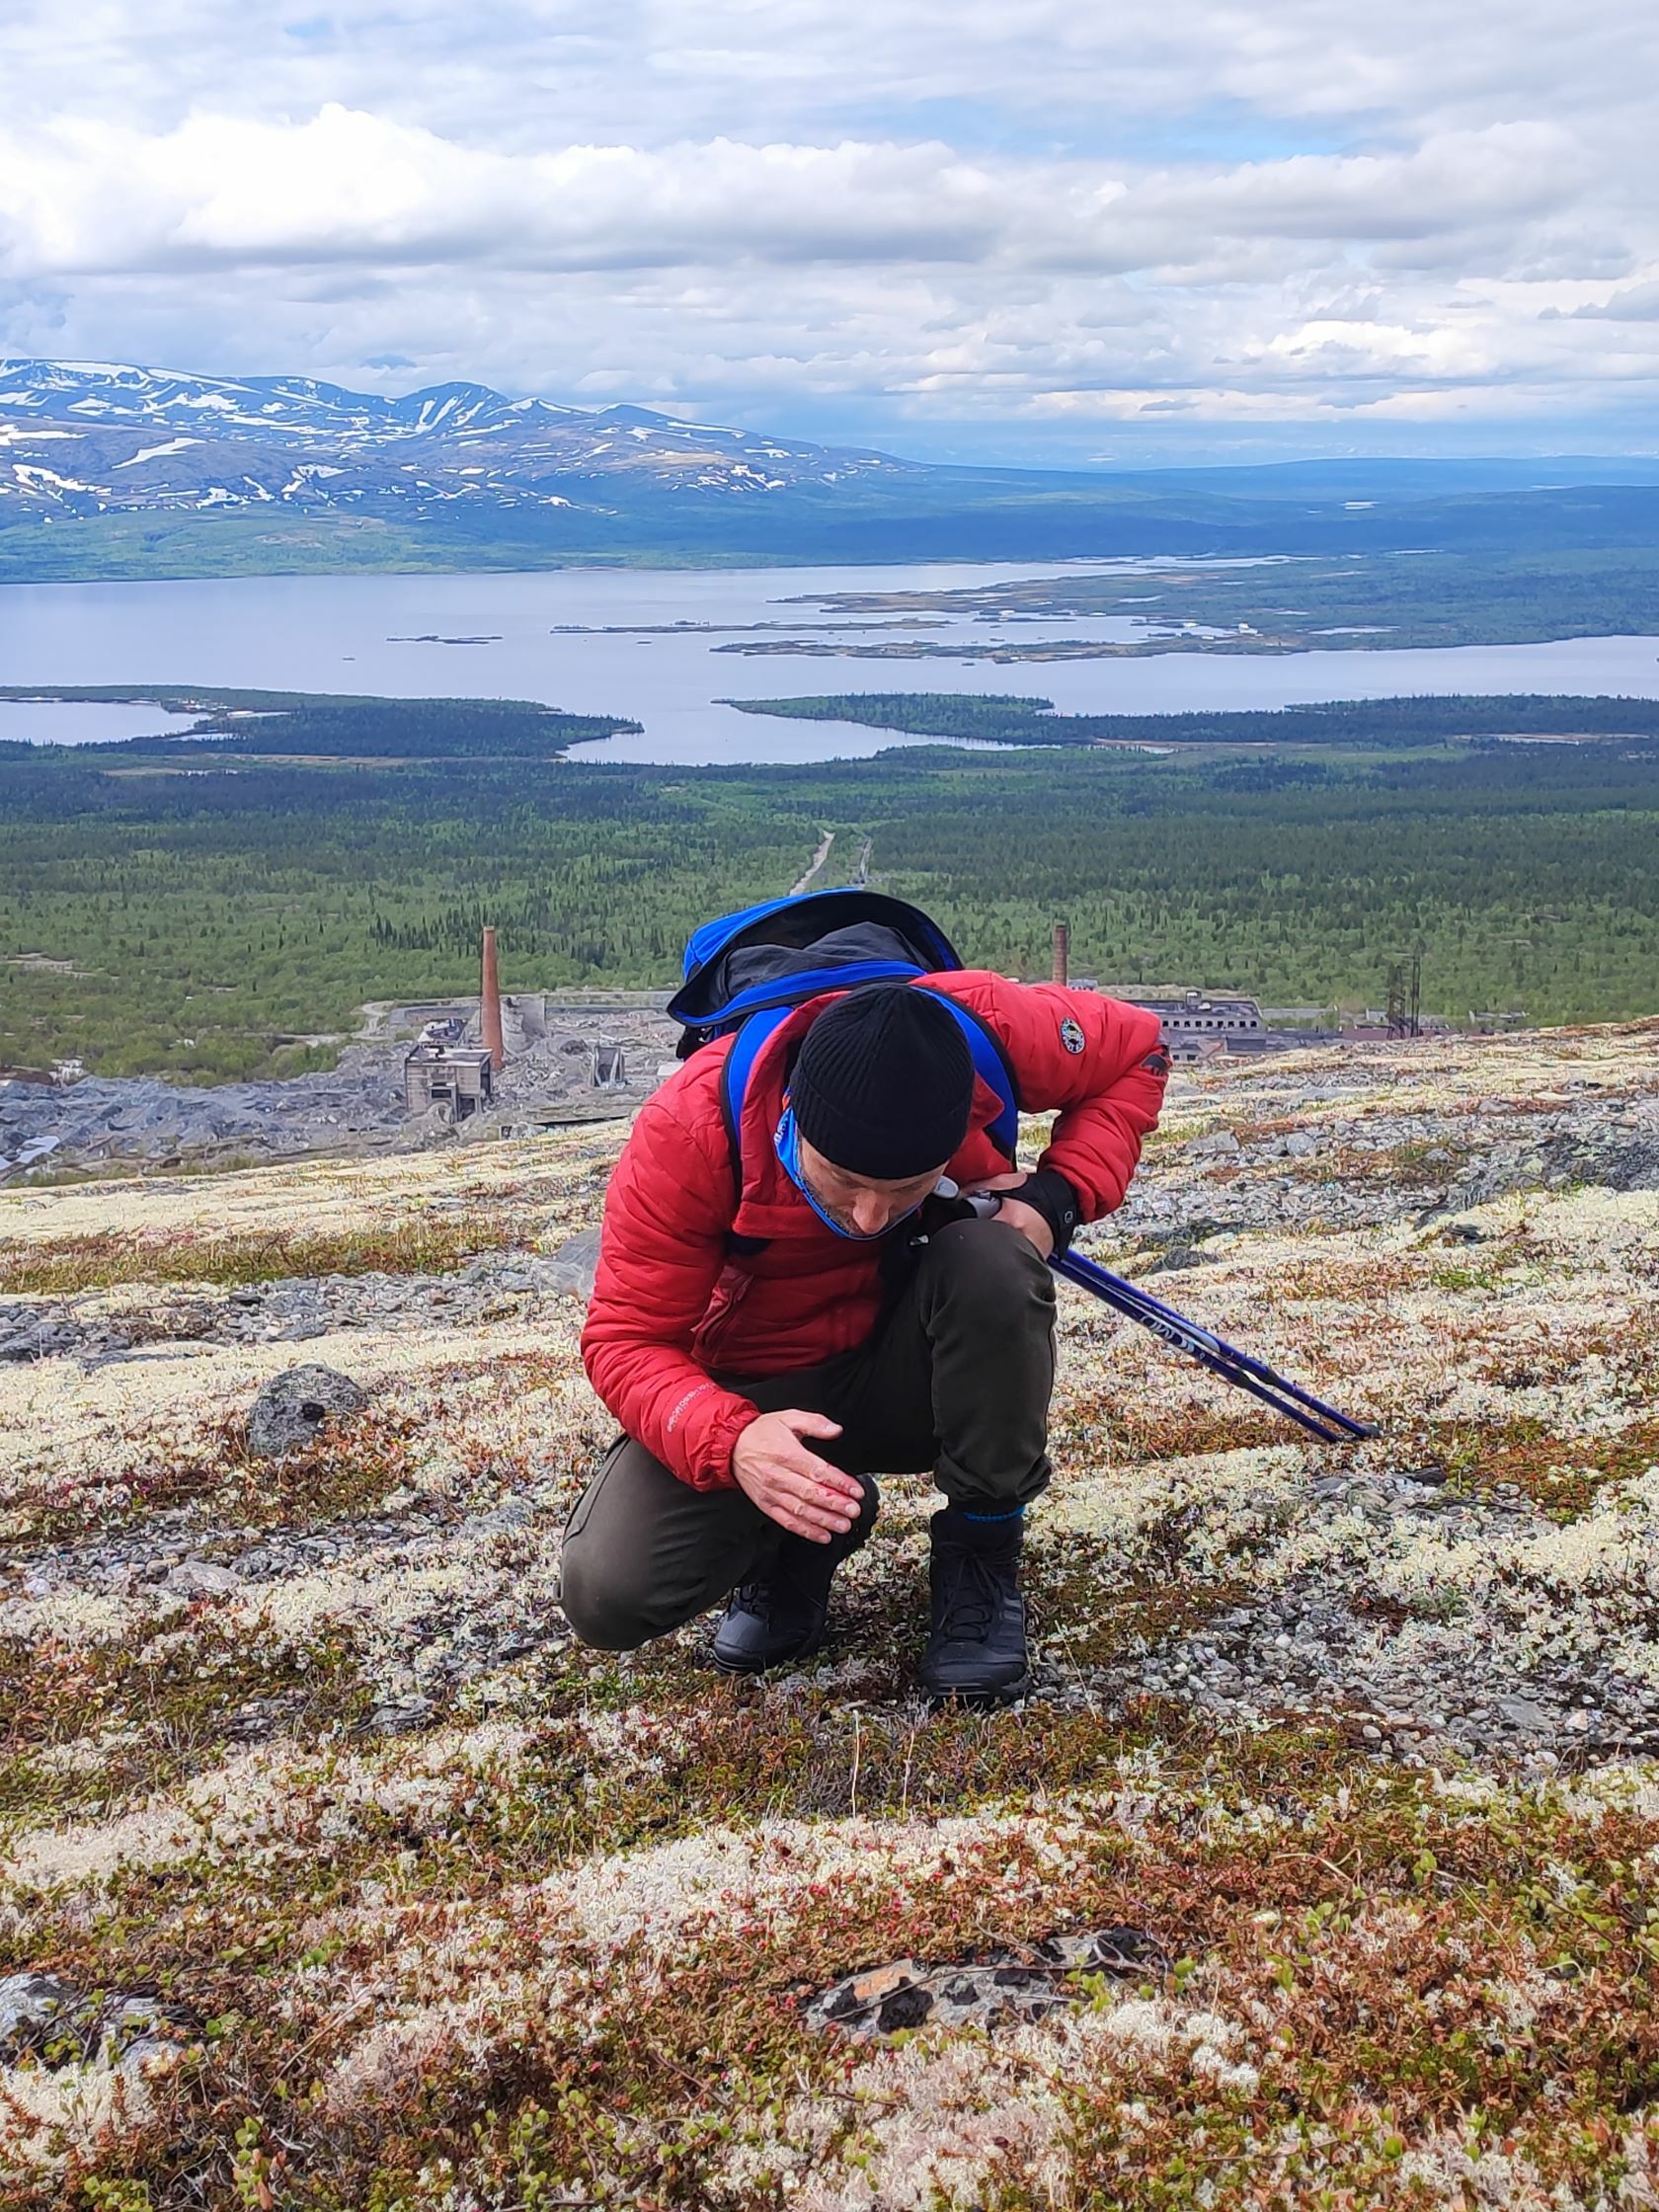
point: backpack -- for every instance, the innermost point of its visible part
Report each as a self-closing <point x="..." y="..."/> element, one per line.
<point x="744" y="972"/>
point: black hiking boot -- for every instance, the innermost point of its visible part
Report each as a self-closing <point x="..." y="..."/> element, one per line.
<point x="785" y="1618"/>
<point x="977" y="1651"/>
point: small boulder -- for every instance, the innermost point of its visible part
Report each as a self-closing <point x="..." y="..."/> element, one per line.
<point x="202" y="1578"/>
<point x="290" y="1411"/>
<point x="576" y="1262"/>
<point x="1220" y="1144"/>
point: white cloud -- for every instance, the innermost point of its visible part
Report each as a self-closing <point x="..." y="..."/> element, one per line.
<point x="979" y="214"/>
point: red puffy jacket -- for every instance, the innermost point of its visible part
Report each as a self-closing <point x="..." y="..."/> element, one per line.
<point x="670" y="1302"/>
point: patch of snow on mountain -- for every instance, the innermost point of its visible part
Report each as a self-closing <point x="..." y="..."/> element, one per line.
<point x="155" y="452"/>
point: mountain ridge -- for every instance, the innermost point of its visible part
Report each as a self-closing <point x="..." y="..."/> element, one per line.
<point x="78" y="439"/>
<point x="144" y="473"/>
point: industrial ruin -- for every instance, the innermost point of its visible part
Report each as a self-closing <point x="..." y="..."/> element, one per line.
<point x="445" y="1071"/>
<point x="540" y="1061"/>
<point x="1200" y="1024"/>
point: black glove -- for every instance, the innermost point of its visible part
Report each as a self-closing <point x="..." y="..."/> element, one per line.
<point x="1046" y="1192"/>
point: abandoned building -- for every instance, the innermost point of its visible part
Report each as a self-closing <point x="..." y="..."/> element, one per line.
<point x="443" y="1071"/>
<point x="1193" y="1013"/>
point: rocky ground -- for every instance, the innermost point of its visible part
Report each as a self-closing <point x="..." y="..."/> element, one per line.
<point x="1318" y="1870"/>
<point x="95" y="1124"/>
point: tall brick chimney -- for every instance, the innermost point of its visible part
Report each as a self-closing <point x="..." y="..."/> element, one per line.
<point x="1062" y="951"/>
<point x="489" y="1003"/>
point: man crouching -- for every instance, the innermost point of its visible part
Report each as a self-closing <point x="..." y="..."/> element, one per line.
<point x="778" y="1315"/>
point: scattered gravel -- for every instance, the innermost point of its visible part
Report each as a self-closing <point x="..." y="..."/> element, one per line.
<point x="1291" y="1181"/>
<point x="95" y="1329"/>
<point x="1323" y="1647"/>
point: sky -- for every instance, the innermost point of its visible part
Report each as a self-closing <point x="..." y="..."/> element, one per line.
<point x="1048" y="232"/>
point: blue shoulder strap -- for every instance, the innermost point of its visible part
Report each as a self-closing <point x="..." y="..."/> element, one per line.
<point x="733" y="1077"/>
<point x="991" y="1064"/>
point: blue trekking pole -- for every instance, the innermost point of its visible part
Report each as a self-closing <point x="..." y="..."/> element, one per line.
<point x="1212" y="1351"/>
<point x="1239" y="1369"/>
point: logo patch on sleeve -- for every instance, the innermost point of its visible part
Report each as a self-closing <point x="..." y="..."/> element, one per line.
<point x="1071" y="1035"/>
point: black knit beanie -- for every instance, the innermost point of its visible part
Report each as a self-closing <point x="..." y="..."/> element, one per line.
<point x="884" y="1081"/>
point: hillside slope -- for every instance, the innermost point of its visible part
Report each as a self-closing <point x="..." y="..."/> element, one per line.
<point x="113" y="470"/>
<point x="1317" y="1872"/>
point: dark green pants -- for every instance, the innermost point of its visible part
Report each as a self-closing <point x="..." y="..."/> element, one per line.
<point x="956" y="1379"/>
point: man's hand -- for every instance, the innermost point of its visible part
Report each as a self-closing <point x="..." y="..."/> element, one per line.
<point x="789" y="1483"/>
<point x="1025" y="1219"/>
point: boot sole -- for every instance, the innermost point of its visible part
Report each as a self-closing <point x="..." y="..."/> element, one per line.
<point x="739" y="1668"/>
<point x="984" y="1700"/>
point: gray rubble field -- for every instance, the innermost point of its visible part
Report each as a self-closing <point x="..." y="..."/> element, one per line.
<point x="142" y="1121"/>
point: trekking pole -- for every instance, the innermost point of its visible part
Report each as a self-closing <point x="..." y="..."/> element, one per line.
<point x="1240" y="1369"/>
<point x="1221" y="1358"/>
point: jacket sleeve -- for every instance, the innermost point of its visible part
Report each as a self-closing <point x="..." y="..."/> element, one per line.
<point x="662" y="1250"/>
<point x="1108" y="1087"/>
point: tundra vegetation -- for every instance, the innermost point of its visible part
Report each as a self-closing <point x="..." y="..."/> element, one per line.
<point x="424" y="1908"/>
<point x="220" y="908"/>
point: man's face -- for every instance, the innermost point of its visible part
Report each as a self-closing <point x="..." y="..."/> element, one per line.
<point x="863" y="1204"/>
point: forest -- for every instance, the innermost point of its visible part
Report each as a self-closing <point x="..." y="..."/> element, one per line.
<point x="204" y="920"/>
<point x="1391" y="723"/>
<point x="322" y="727"/>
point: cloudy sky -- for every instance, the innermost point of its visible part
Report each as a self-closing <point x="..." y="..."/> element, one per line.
<point x="1037" y="229"/>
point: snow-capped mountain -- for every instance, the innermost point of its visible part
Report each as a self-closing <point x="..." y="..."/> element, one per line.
<point x="86" y="437"/>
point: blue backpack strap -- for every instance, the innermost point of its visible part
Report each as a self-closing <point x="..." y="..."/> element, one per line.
<point x="734" y="1077"/>
<point x="991" y="1064"/>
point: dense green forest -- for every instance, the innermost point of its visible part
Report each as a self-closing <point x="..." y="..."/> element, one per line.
<point x="1391" y="723"/>
<point x="192" y="916"/>
<point x="322" y="727"/>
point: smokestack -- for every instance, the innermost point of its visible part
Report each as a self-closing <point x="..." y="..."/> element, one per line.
<point x="1062" y="951"/>
<point x="489" y="1003"/>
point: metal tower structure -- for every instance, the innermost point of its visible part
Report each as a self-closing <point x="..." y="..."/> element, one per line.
<point x="1405" y="995"/>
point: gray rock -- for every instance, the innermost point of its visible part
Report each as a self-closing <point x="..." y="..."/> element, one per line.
<point x="203" y="1578"/>
<point x="44" y="2018"/>
<point x="32" y="2007"/>
<point x="292" y="1409"/>
<point x="1521" y="1712"/>
<point x="1179" y="1259"/>
<point x="574" y="1263"/>
<point x="1218" y="1143"/>
<point x="1005" y="1988"/>
<point x="400" y="1716"/>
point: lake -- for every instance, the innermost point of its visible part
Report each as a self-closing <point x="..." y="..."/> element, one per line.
<point x="601" y="641"/>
